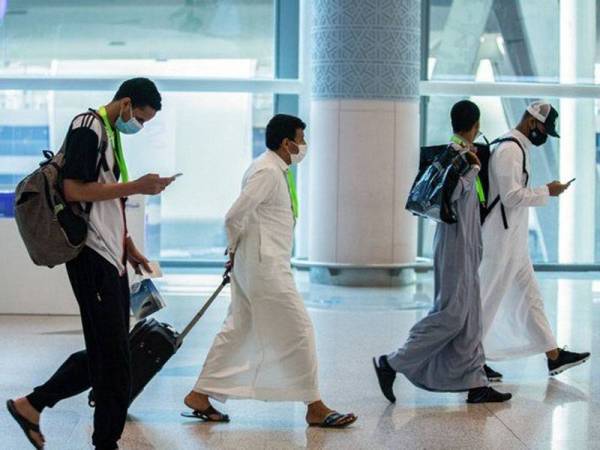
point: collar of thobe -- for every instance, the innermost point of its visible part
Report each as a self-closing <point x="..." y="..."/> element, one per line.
<point x="524" y="140"/>
<point x="291" y="182"/>
<point x="277" y="160"/>
<point x="458" y="140"/>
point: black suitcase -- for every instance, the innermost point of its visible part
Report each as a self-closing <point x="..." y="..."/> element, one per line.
<point x="153" y="343"/>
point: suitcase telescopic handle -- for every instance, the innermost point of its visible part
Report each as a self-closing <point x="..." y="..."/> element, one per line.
<point x="188" y="328"/>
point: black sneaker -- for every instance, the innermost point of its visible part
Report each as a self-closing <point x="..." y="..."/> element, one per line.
<point x="565" y="361"/>
<point x="386" y="376"/>
<point x="492" y="375"/>
<point x="487" y="395"/>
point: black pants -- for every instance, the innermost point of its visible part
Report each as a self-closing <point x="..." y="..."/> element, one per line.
<point x="103" y="298"/>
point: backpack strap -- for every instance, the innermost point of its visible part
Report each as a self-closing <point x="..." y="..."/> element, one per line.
<point x="516" y="141"/>
<point x="504" y="219"/>
<point x="102" y="165"/>
<point x="497" y="199"/>
<point x="87" y="121"/>
<point x="102" y="145"/>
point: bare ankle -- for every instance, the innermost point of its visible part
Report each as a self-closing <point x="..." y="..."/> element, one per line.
<point x="26" y="408"/>
<point x="317" y="408"/>
<point x="196" y="398"/>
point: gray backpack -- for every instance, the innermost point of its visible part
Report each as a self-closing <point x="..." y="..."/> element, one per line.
<point x="54" y="231"/>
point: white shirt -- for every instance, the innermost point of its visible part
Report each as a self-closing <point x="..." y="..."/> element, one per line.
<point x="264" y="203"/>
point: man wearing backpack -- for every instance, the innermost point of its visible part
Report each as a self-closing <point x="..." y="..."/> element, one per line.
<point x="98" y="274"/>
<point x="514" y="322"/>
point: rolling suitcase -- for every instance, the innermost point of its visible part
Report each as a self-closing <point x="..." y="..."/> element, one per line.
<point x="153" y="343"/>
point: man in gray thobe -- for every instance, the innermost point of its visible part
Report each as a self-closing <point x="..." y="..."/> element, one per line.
<point x="444" y="350"/>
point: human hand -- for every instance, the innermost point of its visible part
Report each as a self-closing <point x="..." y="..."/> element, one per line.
<point x="556" y="188"/>
<point x="229" y="264"/>
<point x="152" y="184"/>
<point x="137" y="260"/>
<point x="472" y="159"/>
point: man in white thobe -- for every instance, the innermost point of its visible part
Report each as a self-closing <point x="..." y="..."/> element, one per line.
<point x="266" y="348"/>
<point x="514" y="322"/>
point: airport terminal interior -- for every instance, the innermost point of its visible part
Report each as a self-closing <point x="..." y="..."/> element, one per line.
<point x="373" y="80"/>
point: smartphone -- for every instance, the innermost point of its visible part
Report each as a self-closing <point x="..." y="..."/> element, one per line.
<point x="177" y="175"/>
<point x="570" y="181"/>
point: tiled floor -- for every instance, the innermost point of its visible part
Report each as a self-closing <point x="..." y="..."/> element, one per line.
<point x="351" y="325"/>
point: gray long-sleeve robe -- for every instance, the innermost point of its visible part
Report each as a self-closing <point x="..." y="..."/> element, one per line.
<point x="444" y="350"/>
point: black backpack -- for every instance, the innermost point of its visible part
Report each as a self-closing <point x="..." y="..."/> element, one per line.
<point x="484" y="153"/>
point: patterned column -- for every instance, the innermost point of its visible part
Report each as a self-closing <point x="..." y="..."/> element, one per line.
<point x="364" y="139"/>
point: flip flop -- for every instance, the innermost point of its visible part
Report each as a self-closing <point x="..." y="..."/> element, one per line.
<point x="25" y="424"/>
<point x="206" y="415"/>
<point x="333" y="420"/>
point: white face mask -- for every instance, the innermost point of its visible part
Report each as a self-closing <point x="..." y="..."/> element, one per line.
<point x="298" y="157"/>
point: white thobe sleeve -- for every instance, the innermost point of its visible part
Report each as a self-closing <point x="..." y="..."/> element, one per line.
<point x="258" y="188"/>
<point x="465" y="183"/>
<point x="508" y="169"/>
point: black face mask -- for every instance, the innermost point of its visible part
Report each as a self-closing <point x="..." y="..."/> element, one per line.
<point x="537" y="138"/>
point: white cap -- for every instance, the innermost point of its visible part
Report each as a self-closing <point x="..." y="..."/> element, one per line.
<point x="545" y="113"/>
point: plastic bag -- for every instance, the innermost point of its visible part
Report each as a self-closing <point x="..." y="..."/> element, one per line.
<point x="431" y="193"/>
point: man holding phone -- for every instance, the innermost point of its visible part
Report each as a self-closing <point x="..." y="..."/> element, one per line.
<point x="95" y="172"/>
<point x="514" y="322"/>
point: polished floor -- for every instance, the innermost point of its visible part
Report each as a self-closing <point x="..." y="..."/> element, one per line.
<point x="351" y="325"/>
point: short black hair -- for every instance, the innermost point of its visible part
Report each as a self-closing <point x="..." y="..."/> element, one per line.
<point x="464" y="116"/>
<point x="280" y="127"/>
<point x="142" y="92"/>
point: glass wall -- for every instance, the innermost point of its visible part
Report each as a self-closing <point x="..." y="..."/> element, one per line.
<point x="209" y="135"/>
<point x="519" y="49"/>
<point x="37" y="36"/>
<point x="520" y="38"/>
<point x="522" y="50"/>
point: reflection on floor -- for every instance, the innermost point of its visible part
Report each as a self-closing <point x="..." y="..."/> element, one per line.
<point x="351" y="325"/>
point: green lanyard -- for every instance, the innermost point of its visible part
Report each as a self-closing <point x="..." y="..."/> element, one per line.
<point x="480" y="191"/>
<point x="478" y="185"/>
<point x="293" y="195"/>
<point x="115" y="141"/>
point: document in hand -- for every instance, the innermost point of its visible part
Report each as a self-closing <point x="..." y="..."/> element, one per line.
<point x="145" y="299"/>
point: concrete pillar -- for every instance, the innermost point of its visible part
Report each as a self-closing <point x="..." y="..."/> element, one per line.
<point x="364" y="140"/>
<point x="578" y="134"/>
